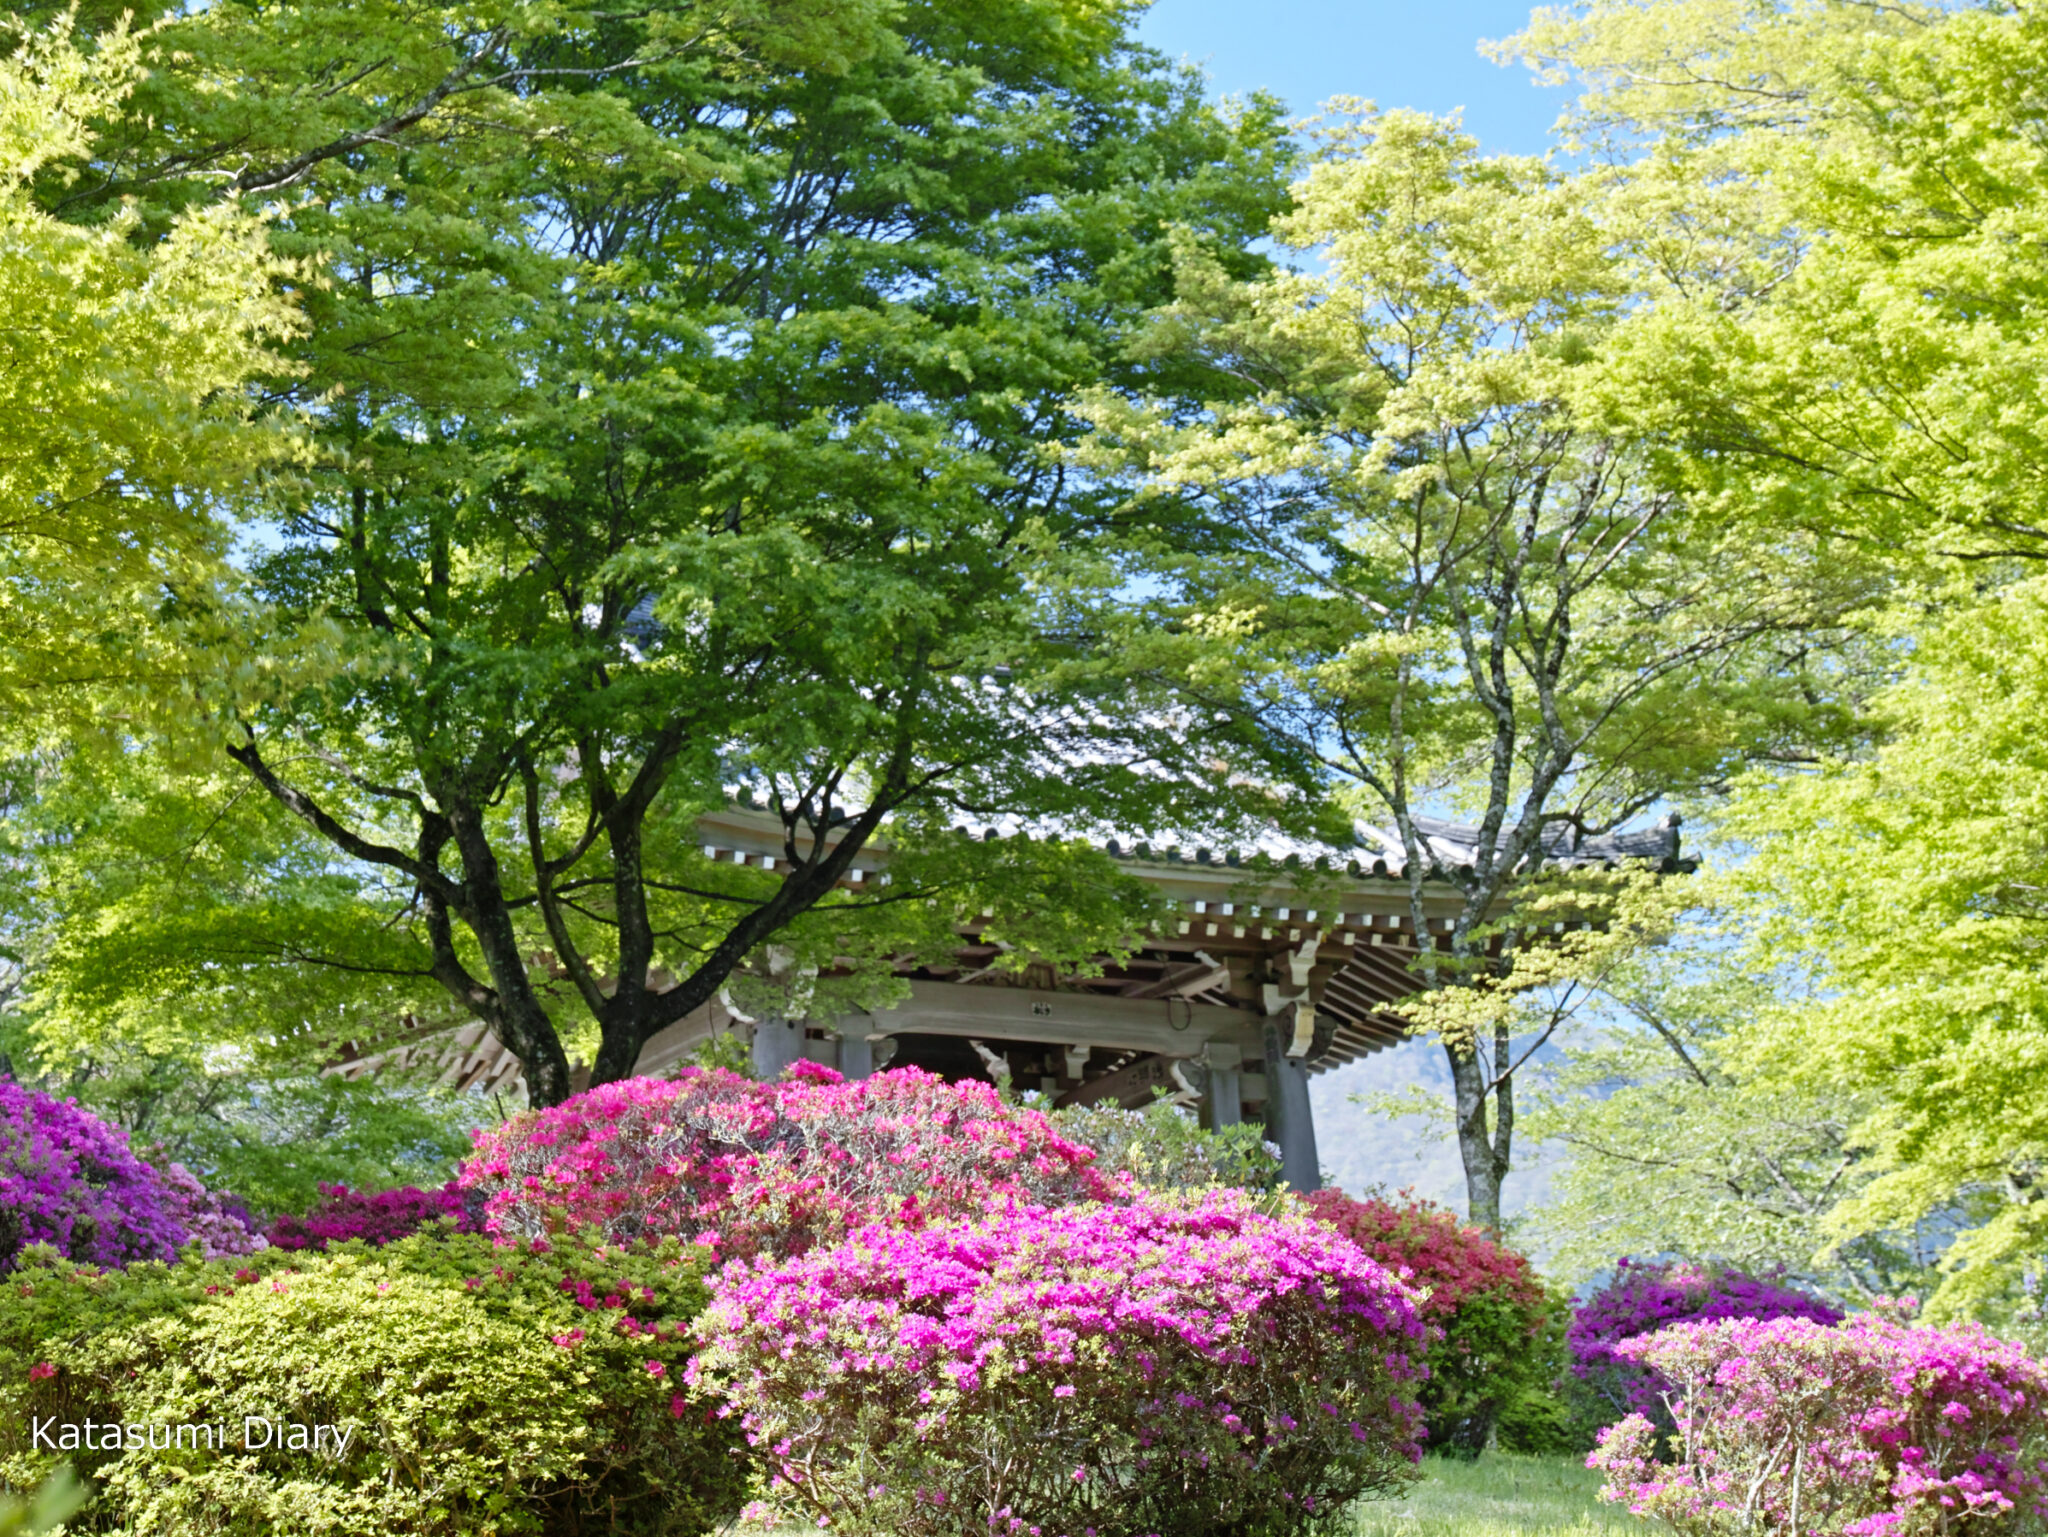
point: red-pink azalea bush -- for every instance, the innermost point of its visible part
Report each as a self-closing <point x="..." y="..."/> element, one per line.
<point x="1867" y="1428"/>
<point x="771" y="1167"/>
<point x="1490" y="1317"/>
<point x="380" y="1218"/>
<point x="1182" y="1365"/>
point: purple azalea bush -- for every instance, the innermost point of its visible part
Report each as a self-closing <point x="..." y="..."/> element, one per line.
<point x="221" y="1223"/>
<point x="70" y="1180"/>
<point x="380" y="1218"/>
<point x="1646" y="1297"/>
<point x="1868" y="1428"/>
<point x="1176" y="1364"/>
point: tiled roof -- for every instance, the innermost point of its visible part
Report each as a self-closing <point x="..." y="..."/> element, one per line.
<point x="1373" y="852"/>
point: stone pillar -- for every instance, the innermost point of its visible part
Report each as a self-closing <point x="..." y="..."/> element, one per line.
<point x="778" y="1044"/>
<point x="1224" y="1104"/>
<point x="1289" y="1120"/>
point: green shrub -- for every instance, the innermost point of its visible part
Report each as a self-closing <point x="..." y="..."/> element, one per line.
<point x="1538" y="1418"/>
<point x="1165" y="1148"/>
<point x="45" y="1510"/>
<point x="451" y="1386"/>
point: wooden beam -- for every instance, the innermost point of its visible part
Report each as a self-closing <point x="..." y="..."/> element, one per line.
<point x="1132" y="1085"/>
<point x="1172" y="1027"/>
<point x="1183" y="981"/>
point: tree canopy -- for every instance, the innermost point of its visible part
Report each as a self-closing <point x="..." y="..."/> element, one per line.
<point x="679" y="387"/>
<point x="1466" y="570"/>
<point x="447" y="452"/>
<point x="1840" y="201"/>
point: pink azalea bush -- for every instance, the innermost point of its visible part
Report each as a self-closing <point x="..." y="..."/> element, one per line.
<point x="1184" y="1365"/>
<point x="1645" y="1297"/>
<point x="774" y="1167"/>
<point x="1868" y="1428"/>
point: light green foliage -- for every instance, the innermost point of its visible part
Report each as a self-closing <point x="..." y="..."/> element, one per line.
<point x="1466" y="572"/>
<point x="1901" y="892"/>
<point x="680" y="388"/>
<point x="55" y="1499"/>
<point x="274" y="1135"/>
<point x="728" y="1052"/>
<point x="1569" y="938"/>
<point x="1676" y="1148"/>
<point x="478" y="1396"/>
<point x="1835" y="209"/>
<point x="143" y="985"/>
<point x="1164" y="1147"/>
<point x="1834" y="212"/>
<point x="120" y="362"/>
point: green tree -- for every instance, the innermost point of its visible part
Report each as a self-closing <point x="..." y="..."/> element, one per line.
<point x="1844" y="201"/>
<point x="681" y="385"/>
<point x="1904" y="887"/>
<point x="1674" y="1147"/>
<point x="1839" y="206"/>
<point x="121" y="413"/>
<point x="1473" y="578"/>
<point x="185" y="1050"/>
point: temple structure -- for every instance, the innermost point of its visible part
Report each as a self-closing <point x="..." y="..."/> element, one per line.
<point x="1230" y="1011"/>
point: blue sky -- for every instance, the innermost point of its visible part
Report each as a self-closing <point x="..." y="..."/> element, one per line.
<point x="1399" y="53"/>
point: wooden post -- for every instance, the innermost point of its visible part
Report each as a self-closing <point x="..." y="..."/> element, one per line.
<point x="778" y="1044"/>
<point x="1226" y="1098"/>
<point x="1289" y="1121"/>
<point x="1224" y="1104"/>
<point x="856" y="1051"/>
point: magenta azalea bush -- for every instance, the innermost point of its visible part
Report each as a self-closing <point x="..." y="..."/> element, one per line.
<point x="70" y="1180"/>
<point x="1864" y="1429"/>
<point x="1644" y="1298"/>
<point x="1186" y="1365"/>
<point x="385" y="1217"/>
<point x="771" y="1167"/>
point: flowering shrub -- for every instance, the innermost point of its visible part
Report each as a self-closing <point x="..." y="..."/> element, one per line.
<point x="69" y="1179"/>
<point x="771" y="1167"/>
<point x="344" y="1214"/>
<point x="218" y="1221"/>
<point x="1867" y="1429"/>
<point x="1643" y="1298"/>
<point x="469" y="1387"/>
<point x="1184" y="1365"/>
<point x="1488" y="1311"/>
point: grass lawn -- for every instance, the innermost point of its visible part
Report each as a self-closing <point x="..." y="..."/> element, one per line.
<point x="1500" y="1495"/>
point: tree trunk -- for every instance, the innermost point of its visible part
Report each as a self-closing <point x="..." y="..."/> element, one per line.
<point x="522" y="1023"/>
<point x="1485" y="1165"/>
